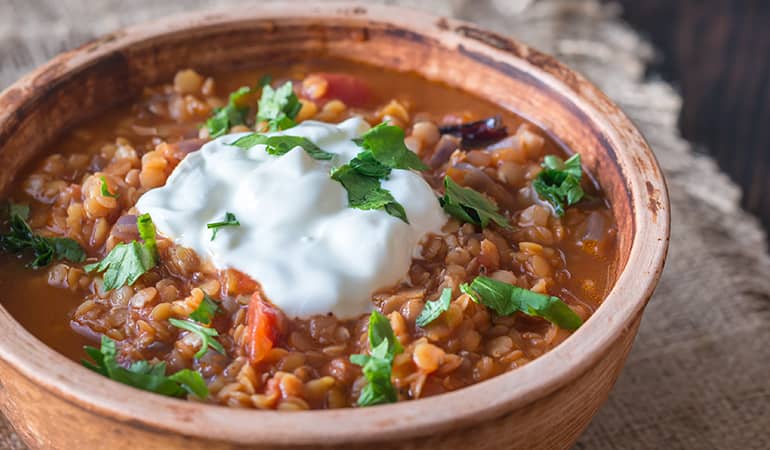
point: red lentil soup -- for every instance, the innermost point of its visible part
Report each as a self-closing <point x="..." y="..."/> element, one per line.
<point x="86" y="184"/>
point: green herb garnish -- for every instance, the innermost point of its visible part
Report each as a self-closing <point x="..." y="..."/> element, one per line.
<point x="229" y="221"/>
<point x="378" y="365"/>
<point x="470" y="206"/>
<point x="506" y="299"/>
<point x="143" y="375"/>
<point x="364" y="192"/>
<point x="207" y="335"/>
<point x="234" y="113"/>
<point x="278" y="107"/>
<point x="559" y="182"/>
<point x="45" y="250"/>
<point x="386" y="144"/>
<point x="205" y="312"/>
<point x="127" y="262"/>
<point x="433" y="309"/>
<point x="384" y="150"/>
<point x="280" y="145"/>
<point x="105" y="189"/>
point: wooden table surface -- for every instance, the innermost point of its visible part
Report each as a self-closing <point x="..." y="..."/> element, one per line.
<point x="697" y="377"/>
<point x="718" y="54"/>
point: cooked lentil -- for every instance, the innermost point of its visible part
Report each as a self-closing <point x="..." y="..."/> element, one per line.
<point x="135" y="148"/>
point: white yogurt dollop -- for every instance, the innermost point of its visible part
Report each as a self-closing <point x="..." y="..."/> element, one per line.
<point x="298" y="237"/>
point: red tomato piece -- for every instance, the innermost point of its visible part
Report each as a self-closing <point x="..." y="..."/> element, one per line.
<point x="263" y="328"/>
<point x="325" y="86"/>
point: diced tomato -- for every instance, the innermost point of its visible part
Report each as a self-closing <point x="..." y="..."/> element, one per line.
<point x="238" y="283"/>
<point x="263" y="328"/>
<point x="325" y="86"/>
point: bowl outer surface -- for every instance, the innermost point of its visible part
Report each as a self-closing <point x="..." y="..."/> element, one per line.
<point x="638" y="190"/>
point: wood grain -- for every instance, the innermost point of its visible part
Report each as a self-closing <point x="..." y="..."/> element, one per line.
<point x="717" y="53"/>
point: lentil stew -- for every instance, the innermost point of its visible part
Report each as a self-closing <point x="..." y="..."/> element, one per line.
<point x="87" y="185"/>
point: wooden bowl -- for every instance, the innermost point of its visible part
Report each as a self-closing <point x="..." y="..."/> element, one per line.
<point x="55" y="403"/>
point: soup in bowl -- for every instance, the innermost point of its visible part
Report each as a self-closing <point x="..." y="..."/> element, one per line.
<point x="339" y="229"/>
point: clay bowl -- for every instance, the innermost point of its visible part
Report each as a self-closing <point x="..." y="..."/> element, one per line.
<point x="55" y="403"/>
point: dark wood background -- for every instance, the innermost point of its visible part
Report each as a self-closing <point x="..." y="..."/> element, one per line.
<point x="717" y="52"/>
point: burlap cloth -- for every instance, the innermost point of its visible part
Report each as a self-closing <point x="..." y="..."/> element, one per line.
<point x="699" y="374"/>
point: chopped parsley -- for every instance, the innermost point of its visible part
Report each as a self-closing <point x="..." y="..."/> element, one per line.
<point x="280" y="145"/>
<point x="234" y="113"/>
<point x="207" y="335"/>
<point x="128" y="261"/>
<point x="144" y="375"/>
<point x="378" y="365"/>
<point x="205" y="312"/>
<point x="386" y="145"/>
<point x="506" y="299"/>
<point x="559" y="182"/>
<point x="433" y="309"/>
<point x="278" y="107"/>
<point x="105" y="189"/>
<point x="45" y="250"/>
<point x="229" y="221"/>
<point x="470" y="206"/>
<point x="364" y="192"/>
<point x="384" y="150"/>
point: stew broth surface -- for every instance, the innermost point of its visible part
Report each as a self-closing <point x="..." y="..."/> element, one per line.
<point x="574" y="254"/>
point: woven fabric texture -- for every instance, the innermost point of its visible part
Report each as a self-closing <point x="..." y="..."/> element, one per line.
<point x="698" y="376"/>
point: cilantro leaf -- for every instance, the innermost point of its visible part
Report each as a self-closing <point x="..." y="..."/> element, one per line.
<point x="127" y="262"/>
<point x="229" y="221"/>
<point x="506" y="299"/>
<point x="278" y="107"/>
<point x="234" y="113"/>
<point x="265" y="80"/>
<point x="470" y="206"/>
<point x="280" y="145"/>
<point x="206" y="334"/>
<point x="105" y="189"/>
<point x="364" y="192"/>
<point x="559" y="182"/>
<point x="386" y="144"/>
<point x="147" y="233"/>
<point x="365" y="164"/>
<point x="45" y="250"/>
<point x="205" y="312"/>
<point x="384" y="150"/>
<point x="433" y="309"/>
<point x="378" y="365"/>
<point x="143" y="375"/>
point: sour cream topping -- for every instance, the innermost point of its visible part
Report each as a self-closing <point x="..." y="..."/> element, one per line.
<point x="310" y="251"/>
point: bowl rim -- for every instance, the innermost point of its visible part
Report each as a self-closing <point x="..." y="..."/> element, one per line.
<point x="482" y="401"/>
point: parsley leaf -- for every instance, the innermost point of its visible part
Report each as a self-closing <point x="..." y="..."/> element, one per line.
<point x="364" y="192"/>
<point x="205" y="312"/>
<point x="143" y="375"/>
<point x="378" y="365"/>
<point x="206" y="334"/>
<point x="229" y="221"/>
<point x="44" y="249"/>
<point x="278" y="107"/>
<point x="470" y="206"/>
<point x="147" y="233"/>
<point x="506" y="299"/>
<point x="433" y="309"/>
<point x="384" y="150"/>
<point x="280" y="145"/>
<point x="234" y="113"/>
<point x="386" y="144"/>
<point x="105" y="189"/>
<point x="559" y="182"/>
<point x="127" y="262"/>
